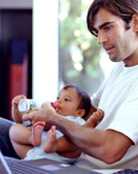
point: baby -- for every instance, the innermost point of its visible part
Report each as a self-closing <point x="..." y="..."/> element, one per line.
<point x="75" y="105"/>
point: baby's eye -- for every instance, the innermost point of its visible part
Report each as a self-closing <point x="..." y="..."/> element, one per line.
<point x="67" y="99"/>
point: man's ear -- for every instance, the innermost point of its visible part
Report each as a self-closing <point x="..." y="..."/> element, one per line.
<point x="135" y="22"/>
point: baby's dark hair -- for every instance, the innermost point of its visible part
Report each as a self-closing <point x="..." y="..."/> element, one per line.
<point x="85" y="101"/>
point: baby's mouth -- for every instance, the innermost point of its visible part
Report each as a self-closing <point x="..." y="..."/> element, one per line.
<point x="56" y="106"/>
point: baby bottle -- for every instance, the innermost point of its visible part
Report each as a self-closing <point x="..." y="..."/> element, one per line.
<point x="26" y="106"/>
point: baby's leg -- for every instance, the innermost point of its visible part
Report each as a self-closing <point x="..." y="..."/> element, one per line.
<point x="51" y="142"/>
<point x="95" y="119"/>
<point x="37" y="129"/>
<point x="20" y="139"/>
<point x="20" y="134"/>
<point x="21" y="149"/>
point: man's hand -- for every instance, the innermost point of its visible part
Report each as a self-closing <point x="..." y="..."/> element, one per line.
<point x="45" y="113"/>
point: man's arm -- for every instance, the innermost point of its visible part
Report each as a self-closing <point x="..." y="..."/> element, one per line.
<point x="67" y="149"/>
<point x="108" y="146"/>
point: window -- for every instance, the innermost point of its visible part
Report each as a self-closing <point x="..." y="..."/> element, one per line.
<point x="81" y="60"/>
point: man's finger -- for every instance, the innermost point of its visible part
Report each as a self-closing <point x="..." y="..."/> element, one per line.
<point x="28" y="116"/>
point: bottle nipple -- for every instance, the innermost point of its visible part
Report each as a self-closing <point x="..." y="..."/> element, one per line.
<point x="55" y="104"/>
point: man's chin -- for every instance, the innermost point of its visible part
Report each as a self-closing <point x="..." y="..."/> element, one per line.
<point x="114" y="59"/>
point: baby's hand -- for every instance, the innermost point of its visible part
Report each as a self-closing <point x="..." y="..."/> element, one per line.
<point x="17" y="98"/>
<point x="16" y="115"/>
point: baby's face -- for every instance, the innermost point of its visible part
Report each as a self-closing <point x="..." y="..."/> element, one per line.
<point x="68" y="102"/>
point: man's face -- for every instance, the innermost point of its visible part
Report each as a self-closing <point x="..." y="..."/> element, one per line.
<point x="119" y="42"/>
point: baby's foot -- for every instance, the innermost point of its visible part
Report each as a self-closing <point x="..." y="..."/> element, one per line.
<point x="95" y="118"/>
<point x="50" y="145"/>
<point x="37" y="129"/>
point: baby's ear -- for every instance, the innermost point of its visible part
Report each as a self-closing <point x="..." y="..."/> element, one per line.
<point x="135" y="22"/>
<point x="81" y="112"/>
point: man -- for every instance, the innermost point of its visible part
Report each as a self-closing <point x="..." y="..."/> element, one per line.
<point x="115" y="24"/>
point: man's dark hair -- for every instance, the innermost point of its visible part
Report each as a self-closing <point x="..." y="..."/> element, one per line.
<point x="124" y="9"/>
<point x="85" y="101"/>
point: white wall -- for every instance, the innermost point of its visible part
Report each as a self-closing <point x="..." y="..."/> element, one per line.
<point x="45" y="49"/>
<point x="16" y="3"/>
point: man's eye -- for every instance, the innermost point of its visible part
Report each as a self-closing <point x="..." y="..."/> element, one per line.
<point x="106" y="28"/>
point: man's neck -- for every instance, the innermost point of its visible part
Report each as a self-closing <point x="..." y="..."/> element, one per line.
<point x="132" y="60"/>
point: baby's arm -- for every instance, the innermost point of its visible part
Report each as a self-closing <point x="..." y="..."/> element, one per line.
<point x="95" y="119"/>
<point x="16" y="115"/>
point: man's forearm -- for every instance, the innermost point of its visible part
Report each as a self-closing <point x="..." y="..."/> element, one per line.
<point x="108" y="146"/>
<point x="84" y="138"/>
<point x="65" y="148"/>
